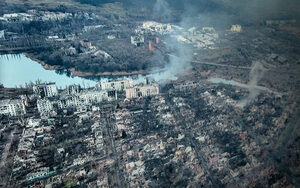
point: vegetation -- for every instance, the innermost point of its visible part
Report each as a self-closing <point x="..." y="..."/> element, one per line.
<point x="32" y="37"/>
<point x="70" y="183"/>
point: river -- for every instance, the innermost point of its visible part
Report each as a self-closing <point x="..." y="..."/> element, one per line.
<point x="17" y="69"/>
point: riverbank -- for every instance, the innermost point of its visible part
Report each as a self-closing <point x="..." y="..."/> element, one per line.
<point x="45" y="65"/>
<point x="90" y="74"/>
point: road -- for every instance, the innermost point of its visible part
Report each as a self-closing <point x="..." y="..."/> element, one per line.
<point x="107" y="117"/>
<point x="7" y="147"/>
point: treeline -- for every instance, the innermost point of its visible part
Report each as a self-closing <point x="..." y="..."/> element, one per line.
<point x="39" y="27"/>
<point x="127" y="3"/>
<point x="126" y="59"/>
<point x="124" y="55"/>
<point x="175" y="5"/>
<point x="95" y="2"/>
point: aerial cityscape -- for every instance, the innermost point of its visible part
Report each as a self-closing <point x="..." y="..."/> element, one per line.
<point x="149" y="93"/>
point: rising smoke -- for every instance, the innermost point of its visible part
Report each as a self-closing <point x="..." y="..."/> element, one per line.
<point x="256" y="74"/>
<point x="181" y="55"/>
<point x="258" y="10"/>
<point x="215" y="13"/>
<point x="161" y="10"/>
<point x="241" y="11"/>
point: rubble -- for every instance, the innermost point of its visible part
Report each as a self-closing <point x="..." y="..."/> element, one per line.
<point x="236" y="28"/>
<point x="184" y="133"/>
<point x="204" y="38"/>
<point x="137" y="40"/>
<point x="33" y="15"/>
<point x="155" y="27"/>
<point x="12" y="107"/>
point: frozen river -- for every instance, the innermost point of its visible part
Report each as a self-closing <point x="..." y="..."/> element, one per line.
<point x="16" y="70"/>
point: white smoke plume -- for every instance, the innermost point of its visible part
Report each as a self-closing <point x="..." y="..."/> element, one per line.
<point x="180" y="55"/>
<point x="162" y="10"/>
<point x="256" y="74"/>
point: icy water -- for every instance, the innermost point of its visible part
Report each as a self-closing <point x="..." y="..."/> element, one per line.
<point x="16" y="70"/>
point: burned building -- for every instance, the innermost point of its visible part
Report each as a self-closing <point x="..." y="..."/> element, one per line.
<point x="12" y="107"/>
<point x="236" y="28"/>
<point x="137" y="40"/>
<point x="89" y="97"/>
<point x="142" y="91"/>
<point x="74" y="89"/>
<point x="44" y="106"/>
<point x="45" y="90"/>
<point x="118" y="85"/>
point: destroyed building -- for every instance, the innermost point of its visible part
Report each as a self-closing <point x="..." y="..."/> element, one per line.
<point x="236" y="28"/>
<point x="12" y="107"/>
<point x="118" y="85"/>
<point x="73" y="89"/>
<point x="89" y="97"/>
<point x="45" y="90"/>
<point x="2" y="34"/>
<point x="137" y="40"/>
<point x="44" y="106"/>
<point x="187" y="131"/>
<point x="154" y="27"/>
<point x="33" y="15"/>
<point x="204" y="38"/>
<point x="142" y="91"/>
<point x="84" y="98"/>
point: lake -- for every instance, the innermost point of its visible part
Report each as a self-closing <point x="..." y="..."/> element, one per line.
<point x="17" y="69"/>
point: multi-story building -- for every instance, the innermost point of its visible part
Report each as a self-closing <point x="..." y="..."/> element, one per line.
<point x="48" y="106"/>
<point x="70" y="101"/>
<point x="73" y="89"/>
<point x="137" y="40"/>
<point x="44" y="106"/>
<point x="2" y="34"/>
<point x="142" y="91"/>
<point x="89" y="97"/>
<point x="118" y="85"/>
<point x="45" y="90"/>
<point x="12" y="107"/>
